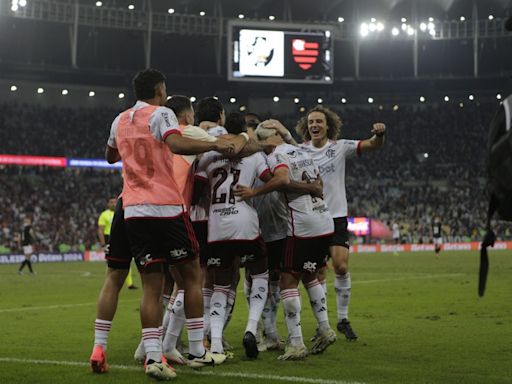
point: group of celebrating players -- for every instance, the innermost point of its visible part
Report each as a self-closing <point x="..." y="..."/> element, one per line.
<point x="201" y="202"/>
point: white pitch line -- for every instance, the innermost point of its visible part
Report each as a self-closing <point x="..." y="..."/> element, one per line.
<point x="407" y="278"/>
<point x="251" y="376"/>
<point x="57" y="306"/>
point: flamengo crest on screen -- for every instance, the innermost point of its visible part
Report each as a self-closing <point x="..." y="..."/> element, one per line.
<point x="305" y="53"/>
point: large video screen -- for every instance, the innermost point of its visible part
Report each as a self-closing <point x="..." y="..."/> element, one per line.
<point x="279" y="52"/>
<point x="359" y="226"/>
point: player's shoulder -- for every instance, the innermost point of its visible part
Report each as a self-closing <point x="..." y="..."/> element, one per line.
<point x="166" y="114"/>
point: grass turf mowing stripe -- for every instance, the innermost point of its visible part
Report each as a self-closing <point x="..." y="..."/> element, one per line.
<point x="408" y="278"/>
<point x="253" y="376"/>
<point x="57" y="306"/>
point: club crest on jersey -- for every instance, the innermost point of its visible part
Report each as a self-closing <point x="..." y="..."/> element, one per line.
<point x="292" y="154"/>
<point x="309" y="266"/>
<point x="330" y="153"/>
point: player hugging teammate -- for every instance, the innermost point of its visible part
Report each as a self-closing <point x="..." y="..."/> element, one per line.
<point x="269" y="206"/>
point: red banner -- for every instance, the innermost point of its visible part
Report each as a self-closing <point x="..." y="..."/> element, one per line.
<point x="33" y="160"/>
<point x="473" y="246"/>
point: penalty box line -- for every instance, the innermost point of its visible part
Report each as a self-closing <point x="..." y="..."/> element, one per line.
<point x="252" y="376"/>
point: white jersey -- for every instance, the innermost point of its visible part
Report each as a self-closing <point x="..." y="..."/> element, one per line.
<point x="308" y="216"/>
<point x="199" y="211"/>
<point x="272" y="213"/>
<point x="330" y="160"/>
<point x="230" y="218"/>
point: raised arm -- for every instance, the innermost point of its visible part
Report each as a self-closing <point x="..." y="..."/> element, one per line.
<point x="281" y="129"/>
<point x="376" y="141"/>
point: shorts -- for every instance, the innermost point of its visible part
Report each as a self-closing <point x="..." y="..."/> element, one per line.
<point x="28" y="250"/>
<point x="340" y="236"/>
<point x="305" y="255"/>
<point x="118" y="253"/>
<point x="201" y="231"/>
<point x="275" y="252"/>
<point x="159" y="241"/>
<point x="224" y="254"/>
<point x="438" y="240"/>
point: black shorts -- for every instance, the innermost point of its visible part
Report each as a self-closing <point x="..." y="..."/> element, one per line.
<point x="118" y="253"/>
<point x="275" y="252"/>
<point x="305" y="255"/>
<point x="224" y="254"/>
<point x="340" y="236"/>
<point x="157" y="241"/>
<point x="201" y="231"/>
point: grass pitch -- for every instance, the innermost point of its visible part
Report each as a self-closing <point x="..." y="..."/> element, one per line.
<point x="418" y="318"/>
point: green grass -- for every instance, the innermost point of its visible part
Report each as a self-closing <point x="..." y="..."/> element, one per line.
<point x="419" y="320"/>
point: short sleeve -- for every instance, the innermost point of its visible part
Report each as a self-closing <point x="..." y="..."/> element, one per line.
<point x="350" y="148"/>
<point x="196" y="133"/>
<point x="113" y="129"/>
<point x="163" y="123"/>
<point x="102" y="220"/>
<point x="202" y="166"/>
<point x="277" y="160"/>
<point x="261" y="166"/>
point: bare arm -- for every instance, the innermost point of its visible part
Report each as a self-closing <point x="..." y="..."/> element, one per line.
<point x="376" y="141"/>
<point x="280" y="180"/>
<point x="281" y="129"/>
<point x="112" y="155"/>
<point x="101" y="235"/>
<point x="315" y="188"/>
<point x="184" y="146"/>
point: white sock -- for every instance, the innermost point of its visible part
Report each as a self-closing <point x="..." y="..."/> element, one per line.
<point x="291" y="304"/>
<point x="165" y="300"/>
<point x="217" y="314"/>
<point x="247" y="290"/>
<point x="207" y="297"/>
<point x="342" y="285"/>
<point x="323" y="283"/>
<point x="259" y="293"/>
<point x="195" y="328"/>
<point x="101" y="330"/>
<point x="152" y="344"/>
<point x="318" y="303"/>
<point x="229" y="306"/>
<point x="168" y="302"/>
<point x="176" y="322"/>
<point x="266" y="316"/>
<point x="275" y="293"/>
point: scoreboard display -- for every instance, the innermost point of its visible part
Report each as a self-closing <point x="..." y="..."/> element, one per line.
<point x="279" y="52"/>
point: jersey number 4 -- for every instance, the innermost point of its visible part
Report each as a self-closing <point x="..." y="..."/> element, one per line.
<point x="221" y="198"/>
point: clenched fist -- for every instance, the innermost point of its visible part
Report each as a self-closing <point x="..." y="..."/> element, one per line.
<point x="379" y="129"/>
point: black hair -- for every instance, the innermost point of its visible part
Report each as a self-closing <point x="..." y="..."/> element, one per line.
<point x="252" y="120"/>
<point x="145" y="82"/>
<point x="209" y="109"/>
<point x="179" y="104"/>
<point x="235" y="123"/>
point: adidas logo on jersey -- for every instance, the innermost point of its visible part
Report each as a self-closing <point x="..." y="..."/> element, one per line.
<point x="213" y="262"/>
<point x="309" y="266"/>
<point x="179" y="253"/>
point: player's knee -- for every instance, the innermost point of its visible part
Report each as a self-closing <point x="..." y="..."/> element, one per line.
<point x="341" y="269"/>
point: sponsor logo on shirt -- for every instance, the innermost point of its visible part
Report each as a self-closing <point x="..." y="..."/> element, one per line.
<point x="323" y="169"/>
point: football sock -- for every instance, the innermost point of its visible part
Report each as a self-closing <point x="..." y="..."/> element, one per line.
<point x="101" y="330"/>
<point x="229" y="306"/>
<point x="152" y="344"/>
<point x="195" y="328"/>
<point x="342" y="285"/>
<point x="176" y="322"/>
<point x="217" y="315"/>
<point x="207" y="297"/>
<point x="259" y="293"/>
<point x="291" y="304"/>
<point x="318" y="303"/>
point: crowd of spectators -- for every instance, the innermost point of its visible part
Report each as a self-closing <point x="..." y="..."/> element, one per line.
<point x="431" y="166"/>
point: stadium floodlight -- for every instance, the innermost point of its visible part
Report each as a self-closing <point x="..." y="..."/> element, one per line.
<point x="471" y="97"/>
<point x="276" y="99"/>
<point x="446" y="98"/>
<point x="363" y="30"/>
<point x="380" y="27"/>
<point x="430" y="19"/>
<point x="381" y="107"/>
<point x="432" y="32"/>
<point x="193" y="99"/>
<point x="22" y="3"/>
<point x="241" y="16"/>
<point x="423" y="27"/>
<point x="343" y="100"/>
<point x="271" y="18"/>
<point x="498" y="96"/>
<point x="395" y="31"/>
<point x="341" y="19"/>
<point x="425" y="155"/>
<point x="40" y="90"/>
<point x="302" y="109"/>
<point x="372" y="27"/>
<point x="410" y="31"/>
<point x="370" y="100"/>
<point x="491" y="17"/>
<point x="296" y="100"/>
<point x="373" y="20"/>
<point x="422" y="99"/>
<point x="121" y="95"/>
<point x="404" y="27"/>
<point x="404" y="20"/>
<point x="131" y="7"/>
<point x="320" y="100"/>
<point x="15" y="88"/>
<point x="461" y="104"/>
<point x="242" y="108"/>
<point x="216" y="97"/>
<point x="170" y="11"/>
<point x="64" y="92"/>
<point x="395" y="107"/>
<point x="92" y="93"/>
<point x="462" y="18"/>
<point x="14" y="7"/>
<point x="232" y="100"/>
<point x="99" y="3"/>
<point x="202" y="13"/>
